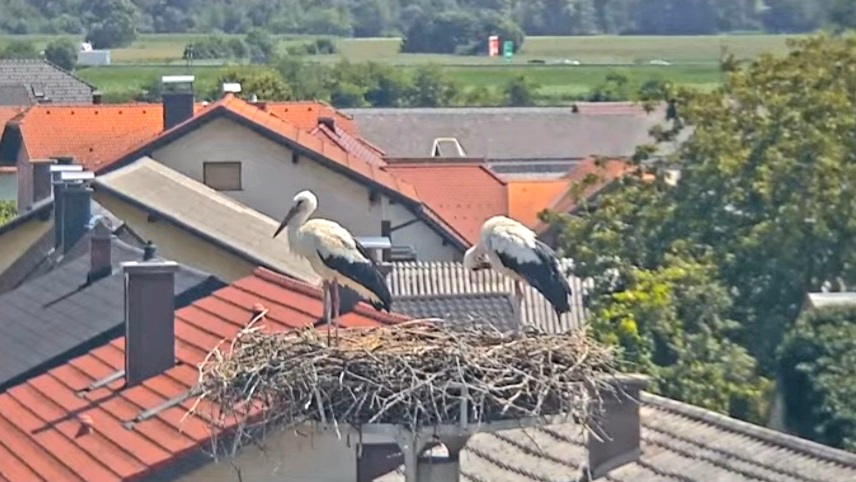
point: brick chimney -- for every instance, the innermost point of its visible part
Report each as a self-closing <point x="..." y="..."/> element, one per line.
<point x="149" y="319"/>
<point x="72" y="209"/>
<point x="178" y="100"/>
<point x="100" y="252"/>
<point x="618" y="428"/>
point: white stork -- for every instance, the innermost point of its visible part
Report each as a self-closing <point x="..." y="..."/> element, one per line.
<point x="335" y="256"/>
<point x="513" y="250"/>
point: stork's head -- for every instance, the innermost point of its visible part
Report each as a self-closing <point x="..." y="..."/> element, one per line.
<point x="475" y="260"/>
<point x="303" y="204"/>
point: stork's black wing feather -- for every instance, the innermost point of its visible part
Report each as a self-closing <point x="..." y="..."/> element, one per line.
<point x="363" y="251"/>
<point x="366" y="274"/>
<point x="545" y="275"/>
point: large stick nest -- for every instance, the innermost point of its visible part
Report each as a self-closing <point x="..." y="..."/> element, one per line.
<point x="416" y="374"/>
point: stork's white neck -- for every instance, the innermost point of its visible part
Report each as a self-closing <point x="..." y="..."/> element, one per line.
<point x="300" y="218"/>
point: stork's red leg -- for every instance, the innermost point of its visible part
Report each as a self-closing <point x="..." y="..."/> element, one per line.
<point x="518" y="298"/>
<point x="328" y="307"/>
<point x="336" y="309"/>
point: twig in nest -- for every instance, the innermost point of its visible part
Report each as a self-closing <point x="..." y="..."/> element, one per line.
<point x="414" y="374"/>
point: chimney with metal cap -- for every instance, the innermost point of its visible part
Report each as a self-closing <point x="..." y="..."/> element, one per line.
<point x="231" y="88"/>
<point x="178" y="99"/>
<point x="100" y="252"/>
<point x="149" y="319"/>
<point x="619" y="428"/>
<point x="97" y="97"/>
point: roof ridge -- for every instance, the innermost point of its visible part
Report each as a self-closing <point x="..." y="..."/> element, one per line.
<point x="434" y="296"/>
<point x="69" y="73"/>
<point x="349" y="158"/>
<point x="775" y="437"/>
<point x="308" y="289"/>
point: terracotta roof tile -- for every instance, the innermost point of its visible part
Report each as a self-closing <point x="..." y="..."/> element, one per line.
<point x="528" y="198"/>
<point x="89" y="133"/>
<point x="463" y="194"/>
<point x="567" y="200"/>
<point x="350" y="144"/>
<point x="7" y="114"/>
<point x="306" y="114"/>
<point x="41" y="420"/>
<point x="306" y="140"/>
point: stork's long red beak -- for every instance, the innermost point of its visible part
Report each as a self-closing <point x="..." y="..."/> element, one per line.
<point x="285" y="221"/>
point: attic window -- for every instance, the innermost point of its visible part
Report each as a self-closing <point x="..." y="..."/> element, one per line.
<point x="222" y="176"/>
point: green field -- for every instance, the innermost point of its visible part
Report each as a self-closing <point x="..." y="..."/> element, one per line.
<point x="545" y="60"/>
<point x="595" y="49"/>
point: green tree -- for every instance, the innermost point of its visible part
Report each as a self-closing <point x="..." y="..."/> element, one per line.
<point x="818" y="374"/>
<point x="767" y="194"/>
<point x="842" y="14"/>
<point x="520" y="91"/>
<point x="111" y="23"/>
<point x="7" y="211"/>
<point x="266" y="84"/>
<point x="260" y="44"/>
<point x="670" y="323"/>
<point x="19" y="49"/>
<point x="432" y="88"/>
<point x="62" y="53"/>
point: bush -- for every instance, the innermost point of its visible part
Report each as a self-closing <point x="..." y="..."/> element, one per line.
<point x="217" y="47"/>
<point x="321" y="46"/>
<point x="62" y="53"/>
<point x="817" y="360"/>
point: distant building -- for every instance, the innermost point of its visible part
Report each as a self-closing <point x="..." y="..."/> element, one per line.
<point x="25" y="82"/>
<point x="86" y="55"/>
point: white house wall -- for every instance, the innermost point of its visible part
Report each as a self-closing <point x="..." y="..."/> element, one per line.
<point x="287" y="457"/>
<point x="428" y="245"/>
<point x="270" y="180"/>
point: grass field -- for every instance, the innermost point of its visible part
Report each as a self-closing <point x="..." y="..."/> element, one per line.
<point x="544" y="60"/>
<point x="596" y="49"/>
<point x="555" y="82"/>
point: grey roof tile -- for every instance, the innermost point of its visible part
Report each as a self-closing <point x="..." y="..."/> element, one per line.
<point x="59" y="86"/>
<point x="15" y="94"/>
<point x="507" y="132"/>
<point x="431" y="278"/>
<point x="679" y="442"/>
<point x="492" y="309"/>
<point x="55" y="315"/>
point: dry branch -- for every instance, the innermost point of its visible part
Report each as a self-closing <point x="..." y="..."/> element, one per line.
<point x="414" y="374"/>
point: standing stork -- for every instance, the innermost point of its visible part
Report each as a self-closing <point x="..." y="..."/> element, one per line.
<point x="513" y="250"/>
<point x="335" y="256"/>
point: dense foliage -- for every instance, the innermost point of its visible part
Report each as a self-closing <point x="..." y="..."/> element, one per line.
<point x="818" y="365"/>
<point x="7" y="211"/>
<point x="370" y="18"/>
<point x="763" y="213"/>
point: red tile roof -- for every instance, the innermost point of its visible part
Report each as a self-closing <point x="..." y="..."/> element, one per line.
<point x="528" y="198"/>
<point x="609" y="171"/>
<point x="89" y="133"/>
<point x="464" y="194"/>
<point x="42" y="421"/>
<point x="7" y="114"/>
<point x="278" y="127"/>
<point x="305" y="115"/>
<point x="350" y="144"/>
